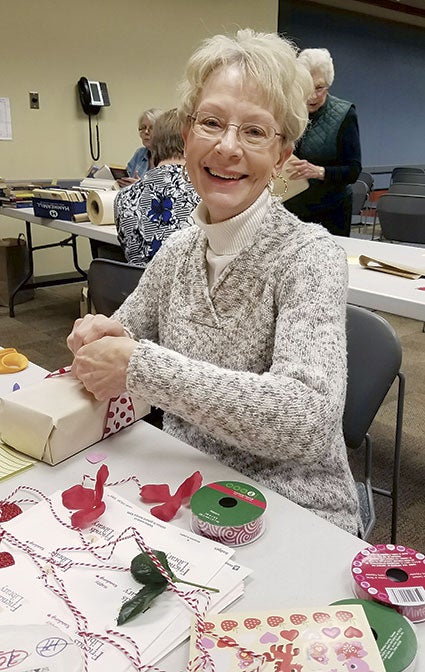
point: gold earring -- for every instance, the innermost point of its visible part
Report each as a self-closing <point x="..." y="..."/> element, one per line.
<point x="185" y="174"/>
<point x="278" y="185"/>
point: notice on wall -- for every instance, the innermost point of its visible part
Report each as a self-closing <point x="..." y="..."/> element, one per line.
<point x="5" y="120"/>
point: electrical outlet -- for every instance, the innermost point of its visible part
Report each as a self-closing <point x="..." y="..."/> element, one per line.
<point x="34" y="100"/>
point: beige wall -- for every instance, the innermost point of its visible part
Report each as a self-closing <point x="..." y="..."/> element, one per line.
<point x="139" y="47"/>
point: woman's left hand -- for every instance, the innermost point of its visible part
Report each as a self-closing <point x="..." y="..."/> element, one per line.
<point x="300" y="168"/>
<point x="102" y="365"/>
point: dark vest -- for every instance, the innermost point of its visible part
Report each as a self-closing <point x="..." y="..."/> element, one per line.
<point x="319" y="142"/>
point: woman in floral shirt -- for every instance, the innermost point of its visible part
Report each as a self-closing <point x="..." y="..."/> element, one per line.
<point x="150" y="210"/>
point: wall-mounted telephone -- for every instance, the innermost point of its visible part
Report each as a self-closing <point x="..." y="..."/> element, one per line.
<point x="93" y="95"/>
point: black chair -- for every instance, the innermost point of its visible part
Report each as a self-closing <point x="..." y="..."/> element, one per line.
<point x="109" y="284"/>
<point x="408" y="174"/>
<point x="360" y="194"/>
<point x="407" y="188"/>
<point x="402" y="217"/>
<point x="367" y="178"/>
<point x="373" y="358"/>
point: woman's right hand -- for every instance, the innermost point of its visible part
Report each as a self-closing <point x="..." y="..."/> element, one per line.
<point x="91" y="328"/>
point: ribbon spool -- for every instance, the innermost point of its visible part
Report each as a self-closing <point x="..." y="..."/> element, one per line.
<point x="394" y="635"/>
<point x="229" y="512"/>
<point x="393" y="576"/>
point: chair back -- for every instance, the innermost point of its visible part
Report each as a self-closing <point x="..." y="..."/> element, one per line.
<point x="407" y="188"/>
<point x="408" y="174"/>
<point x="110" y="282"/>
<point x="367" y="178"/>
<point x="373" y="361"/>
<point x="402" y="217"/>
<point x="360" y="194"/>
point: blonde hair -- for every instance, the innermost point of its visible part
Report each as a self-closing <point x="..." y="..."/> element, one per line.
<point x="265" y="58"/>
<point x="318" y="61"/>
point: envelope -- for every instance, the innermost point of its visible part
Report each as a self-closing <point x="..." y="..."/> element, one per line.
<point x="56" y="418"/>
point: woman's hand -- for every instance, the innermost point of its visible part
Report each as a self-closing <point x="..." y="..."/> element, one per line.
<point x="91" y="328"/>
<point x="300" y="168"/>
<point x="102" y="366"/>
<point x="125" y="181"/>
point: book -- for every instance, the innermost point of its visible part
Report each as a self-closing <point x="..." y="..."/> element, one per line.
<point x="393" y="267"/>
<point x="333" y="638"/>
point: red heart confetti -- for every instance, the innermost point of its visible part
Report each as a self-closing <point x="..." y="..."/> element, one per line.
<point x="6" y="560"/>
<point x="9" y="510"/>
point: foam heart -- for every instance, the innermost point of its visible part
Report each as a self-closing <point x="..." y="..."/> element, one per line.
<point x="290" y="635"/>
<point x="207" y="643"/>
<point x="268" y="638"/>
<point x="353" y="632"/>
<point x="331" y="632"/>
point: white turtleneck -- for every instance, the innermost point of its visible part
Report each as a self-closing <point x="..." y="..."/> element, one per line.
<point x="226" y="239"/>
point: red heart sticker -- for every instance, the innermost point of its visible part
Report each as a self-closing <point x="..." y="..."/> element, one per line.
<point x="9" y="510"/>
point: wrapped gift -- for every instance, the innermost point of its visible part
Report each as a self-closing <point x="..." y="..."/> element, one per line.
<point x="57" y="418"/>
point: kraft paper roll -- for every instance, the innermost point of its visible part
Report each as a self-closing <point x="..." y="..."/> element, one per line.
<point x="229" y="512"/>
<point x="394" y="634"/>
<point x="100" y="206"/>
<point x="393" y="576"/>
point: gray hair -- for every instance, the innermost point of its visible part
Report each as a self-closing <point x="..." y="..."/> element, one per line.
<point x="152" y="114"/>
<point x="265" y="58"/>
<point x="167" y="140"/>
<point x="320" y="61"/>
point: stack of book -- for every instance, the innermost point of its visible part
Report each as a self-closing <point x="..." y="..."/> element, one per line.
<point x="16" y="195"/>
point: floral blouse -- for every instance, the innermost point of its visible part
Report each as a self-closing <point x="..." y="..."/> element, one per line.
<point x="150" y="210"/>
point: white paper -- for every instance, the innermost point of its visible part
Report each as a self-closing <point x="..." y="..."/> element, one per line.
<point x="5" y="120"/>
<point x="98" y="589"/>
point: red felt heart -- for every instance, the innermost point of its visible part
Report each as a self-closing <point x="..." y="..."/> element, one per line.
<point x="6" y="560"/>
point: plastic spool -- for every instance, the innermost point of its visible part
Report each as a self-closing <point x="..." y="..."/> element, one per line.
<point x="229" y="512"/>
<point x="394" y="634"/>
<point x="393" y="576"/>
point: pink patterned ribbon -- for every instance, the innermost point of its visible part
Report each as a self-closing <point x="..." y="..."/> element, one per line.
<point x="120" y="412"/>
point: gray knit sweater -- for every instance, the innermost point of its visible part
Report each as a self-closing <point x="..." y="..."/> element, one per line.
<point x="253" y="369"/>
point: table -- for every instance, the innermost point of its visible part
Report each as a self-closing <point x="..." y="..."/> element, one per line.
<point x="301" y="560"/>
<point x="105" y="234"/>
<point x="370" y="289"/>
<point x="382" y="291"/>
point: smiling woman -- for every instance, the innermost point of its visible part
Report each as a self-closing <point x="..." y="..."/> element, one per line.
<point x="235" y="330"/>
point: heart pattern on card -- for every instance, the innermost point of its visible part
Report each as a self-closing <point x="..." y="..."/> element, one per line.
<point x="331" y="632"/>
<point x="290" y="635"/>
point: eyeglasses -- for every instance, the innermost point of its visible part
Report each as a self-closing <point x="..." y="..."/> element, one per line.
<point x="319" y="89"/>
<point x="251" y="135"/>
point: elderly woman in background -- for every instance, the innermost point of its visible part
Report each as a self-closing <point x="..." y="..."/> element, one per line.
<point x="142" y="159"/>
<point x="149" y="211"/>
<point x="328" y="154"/>
<point x="235" y="330"/>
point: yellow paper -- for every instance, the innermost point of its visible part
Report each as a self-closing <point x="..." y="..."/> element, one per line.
<point x="12" y="462"/>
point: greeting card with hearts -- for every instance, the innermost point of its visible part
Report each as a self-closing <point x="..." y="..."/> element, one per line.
<point x="331" y="638"/>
